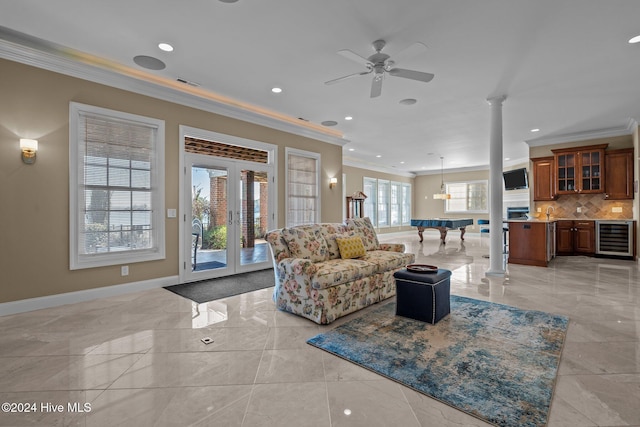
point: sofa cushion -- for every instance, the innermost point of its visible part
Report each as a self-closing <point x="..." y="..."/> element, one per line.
<point x="306" y="242"/>
<point x="337" y="271"/>
<point x="386" y="260"/>
<point x="364" y="228"/>
<point x="330" y="231"/>
<point x="351" y="247"/>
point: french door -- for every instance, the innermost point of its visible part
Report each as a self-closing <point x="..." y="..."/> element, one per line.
<point x="228" y="205"/>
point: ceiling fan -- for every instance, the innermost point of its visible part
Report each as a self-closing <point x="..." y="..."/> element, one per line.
<point x="380" y="63"/>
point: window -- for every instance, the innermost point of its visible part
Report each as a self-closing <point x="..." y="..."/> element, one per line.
<point x="396" y="204"/>
<point x="388" y="202"/>
<point x="303" y="196"/>
<point x="406" y="204"/>
<point x="370" y="188"/>
<point x="469" y="197"/>
<point x="383" y="203"/>
<point x="116" y="187"/>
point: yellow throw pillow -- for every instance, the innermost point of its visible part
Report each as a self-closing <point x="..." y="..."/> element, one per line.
<point x="351" y="247"/>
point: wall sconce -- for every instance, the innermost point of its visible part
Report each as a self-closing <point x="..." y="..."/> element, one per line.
<point x="333" y="182"/>
<point x="29" y="147"/>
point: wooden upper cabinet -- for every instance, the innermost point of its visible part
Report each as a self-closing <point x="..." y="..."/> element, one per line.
<point x="580" y="169"/>
<point x="544" y="183"/>
<point x="619" y="174"/>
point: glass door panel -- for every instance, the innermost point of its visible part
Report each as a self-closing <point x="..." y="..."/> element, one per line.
<point x="209" y="220"/>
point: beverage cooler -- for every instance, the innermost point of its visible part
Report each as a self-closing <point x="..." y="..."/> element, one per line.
<point x="614" y="238"/>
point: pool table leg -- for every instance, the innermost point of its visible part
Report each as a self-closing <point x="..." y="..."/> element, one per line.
<point x="420" y="230"/>
<point x="462" y="231"/>
<point x="443" y="234"/>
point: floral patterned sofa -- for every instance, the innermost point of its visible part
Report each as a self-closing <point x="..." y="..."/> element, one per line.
<point x="314" y="281"/>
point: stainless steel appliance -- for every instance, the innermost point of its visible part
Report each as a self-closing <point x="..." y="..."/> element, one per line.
<point x="614" y="238"/>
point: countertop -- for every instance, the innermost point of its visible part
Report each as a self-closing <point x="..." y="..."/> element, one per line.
<point x="552" y="219"/>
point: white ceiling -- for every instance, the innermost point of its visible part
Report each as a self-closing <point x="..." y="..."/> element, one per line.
<point x="565" y="66"/>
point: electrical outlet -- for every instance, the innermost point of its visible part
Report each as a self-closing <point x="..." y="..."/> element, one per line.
<point x="616" y="209"/>
<point x="578" y="210"/>
<point x="539" y="210"/>
<point x="124" y="270"/>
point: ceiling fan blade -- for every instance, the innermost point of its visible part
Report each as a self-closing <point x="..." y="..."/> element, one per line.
<point x="376" y="86"/>
<point x="411" y="74"/>
<point x="354" y="57"/>
<point x="339" y="79"/>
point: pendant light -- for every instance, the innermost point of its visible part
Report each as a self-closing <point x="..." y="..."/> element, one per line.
<point x="442" y="195"/>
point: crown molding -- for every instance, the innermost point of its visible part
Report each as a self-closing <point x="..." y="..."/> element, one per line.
<point x="355" y="163"/>
<point x="507" y="163"/>
<point x="39" y="53"/>
<point x="627" y="129"/>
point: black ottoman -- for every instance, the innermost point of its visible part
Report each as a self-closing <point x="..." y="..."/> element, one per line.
<point x="423" y="296"/>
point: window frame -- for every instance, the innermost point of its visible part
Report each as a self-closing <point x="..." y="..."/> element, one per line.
<point x="467" y="183"/>
<point x="77" y="187"/>
<point x="318" y="193"/>
<point x="372" y="201"/>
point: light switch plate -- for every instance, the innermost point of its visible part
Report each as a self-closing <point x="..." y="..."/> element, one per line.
<point x="578" y="209"/>
<point x="616" y="209"/>
<point x="171" y="213"/>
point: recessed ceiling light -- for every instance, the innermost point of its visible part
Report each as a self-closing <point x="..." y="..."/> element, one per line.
<point x="348" y="118"/>
<point x="166" y="47"/>
<point x="378" y="156"/>
<point x="402" y="163"/>
<point x="228" y="1"/>
<point x="535" y="130"/>
<point x="329" y="123"/>
<point x="408" y="101"/>
<point x="507" y="158"/>
<point x="635" y="39"/>
<point x="352" y="149"/>
<point x="276" y="90"/>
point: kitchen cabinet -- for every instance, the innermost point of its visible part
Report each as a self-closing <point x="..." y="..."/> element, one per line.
<point x="619" y="174"/>
<point x="544" y="184"/>
<point x="531" y="242"/>
<point x="580" y="169"/>
<point x="576" y="237"/>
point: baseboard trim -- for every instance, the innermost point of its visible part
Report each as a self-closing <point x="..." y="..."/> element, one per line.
<point x="31" y="304"/>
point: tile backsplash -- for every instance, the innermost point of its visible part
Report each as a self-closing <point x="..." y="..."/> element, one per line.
<point x="592" y="206"/>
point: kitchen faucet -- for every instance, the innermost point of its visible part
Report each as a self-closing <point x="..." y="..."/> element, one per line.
<point x="549" y="213"/>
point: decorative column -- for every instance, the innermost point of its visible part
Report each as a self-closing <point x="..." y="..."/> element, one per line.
<point x="496" y="257"/>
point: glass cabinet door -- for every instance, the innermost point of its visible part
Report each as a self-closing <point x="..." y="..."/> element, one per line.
<point x="591" y="163"/>
<point x="566" y="164"/>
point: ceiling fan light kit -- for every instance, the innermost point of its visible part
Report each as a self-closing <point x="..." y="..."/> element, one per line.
<point x="380" y="63"/>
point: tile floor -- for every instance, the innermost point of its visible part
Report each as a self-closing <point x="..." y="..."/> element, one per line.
<point x="137" y="359"/>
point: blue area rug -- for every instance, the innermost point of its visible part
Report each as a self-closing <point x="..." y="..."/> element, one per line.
<point x="493" y="361"/>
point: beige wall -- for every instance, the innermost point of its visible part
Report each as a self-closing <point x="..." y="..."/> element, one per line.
<point x="428" y="185"/>
<point x="354" y="178"/>
<point x="34" y="213"/>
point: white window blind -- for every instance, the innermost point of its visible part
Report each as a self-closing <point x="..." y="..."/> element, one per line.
<point x="303" y="199"/>
<point x="116" y="189"/>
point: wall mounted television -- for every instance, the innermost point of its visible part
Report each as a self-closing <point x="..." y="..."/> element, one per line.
<point x="515" y="179"/>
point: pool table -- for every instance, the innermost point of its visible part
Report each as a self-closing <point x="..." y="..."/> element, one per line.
<point x="442" y="225"/>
